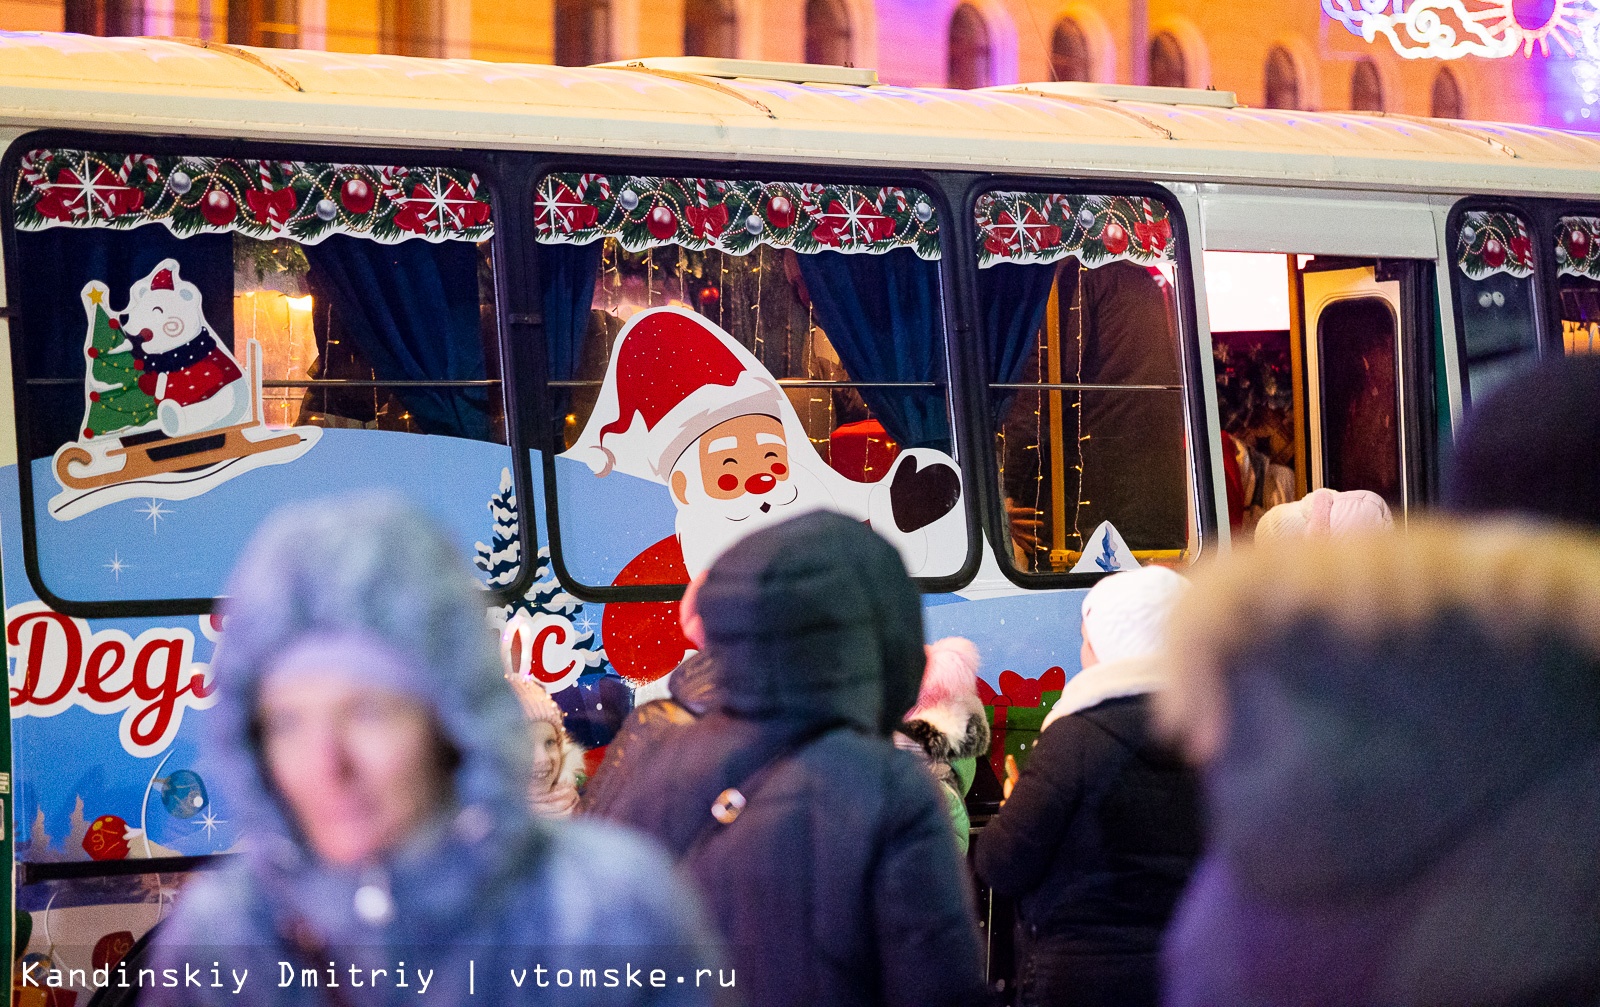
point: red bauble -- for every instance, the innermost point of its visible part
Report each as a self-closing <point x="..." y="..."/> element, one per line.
<point x="113" y="323"/>
<point x="709" y="296"/>
<point x="662" y="222"/>
<point x="94" y="396"/>
<point x="91" y="353"/>
<point x="1115" y="238"/>
<point x="1578" y="244"/>
<point x="357" y="196"/>
<point x="88" y="432"/>
<point x="219" y="208"/>
<point x="1494" y="253"/>
<point x="107" y="838"/>
<point x="780" y="212"/>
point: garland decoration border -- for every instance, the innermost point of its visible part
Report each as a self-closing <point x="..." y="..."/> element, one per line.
<point x="1578" y="247"/>
<point x="1035" y="227"/>
<point x="306" y="201"/>
<point x="733" y="216"/>
<point x="1492" y="241"/>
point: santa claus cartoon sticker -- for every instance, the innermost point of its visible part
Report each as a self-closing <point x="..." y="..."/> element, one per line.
<point x="168" y="412"/>
<point x="686" y="406"/>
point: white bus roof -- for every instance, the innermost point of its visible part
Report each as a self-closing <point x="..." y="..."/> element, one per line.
<point x="185" y="87"/>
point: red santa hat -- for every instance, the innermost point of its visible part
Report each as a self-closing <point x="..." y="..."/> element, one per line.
<point x="673" y="376"/>
<point x="162" y="280"/>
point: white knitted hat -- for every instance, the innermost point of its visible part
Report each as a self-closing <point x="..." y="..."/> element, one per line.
<point x="1125" y="616"/>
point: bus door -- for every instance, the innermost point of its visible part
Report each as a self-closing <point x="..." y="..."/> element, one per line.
<point x="1322" y="312"/>
<point x="1351" y="336"/>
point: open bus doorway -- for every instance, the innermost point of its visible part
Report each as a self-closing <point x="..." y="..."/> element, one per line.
<point x="1310" y="355"/>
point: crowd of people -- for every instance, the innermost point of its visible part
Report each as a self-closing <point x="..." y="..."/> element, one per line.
<point x="1350" y="765"/>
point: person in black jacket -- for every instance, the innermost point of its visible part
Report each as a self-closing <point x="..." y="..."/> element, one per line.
<point x="691" y="693"/>
<point x="825" y="855"/>
<point x="1101" y="831"/>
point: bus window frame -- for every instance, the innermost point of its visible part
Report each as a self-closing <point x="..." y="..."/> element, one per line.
<point x="932" y="184"/>
<point x="1550" y="210"/>
<point x="1540" y="221"/>
<point x="1202" y="502"/>
<point x="507" y="235"/>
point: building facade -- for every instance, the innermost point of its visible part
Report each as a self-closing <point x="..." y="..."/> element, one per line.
<point x="1288" y="54"/>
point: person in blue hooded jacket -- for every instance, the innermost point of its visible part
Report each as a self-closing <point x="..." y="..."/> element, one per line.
<point x="379" y="763"/>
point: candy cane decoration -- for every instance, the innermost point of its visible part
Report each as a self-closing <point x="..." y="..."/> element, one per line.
<point x="125" y="173"/>
<point x="701" y="195"/>
<point x="811" y="198"/>
<point x="34" y="166"/>
<point x="392" y="182"/>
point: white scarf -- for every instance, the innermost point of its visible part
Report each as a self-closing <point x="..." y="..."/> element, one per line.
<point x="1134" y="676"/>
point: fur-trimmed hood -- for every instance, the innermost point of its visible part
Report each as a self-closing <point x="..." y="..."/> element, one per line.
<point x="954" y="729"/>
<point x="1523" y="581"/>
<point x="1402" y="731"/>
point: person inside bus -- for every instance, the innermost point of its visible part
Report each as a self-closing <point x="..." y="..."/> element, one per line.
<point x="1398" y="737"/>
<point x="1101" y="830"/>
<point x="1531" y="447"/>
<point x="381" y="764"/>
<point x="824" y="854"/>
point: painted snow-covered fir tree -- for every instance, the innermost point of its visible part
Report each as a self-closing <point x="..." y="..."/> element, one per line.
<point x="595" y="705"/>
<point x="503" y="559"/>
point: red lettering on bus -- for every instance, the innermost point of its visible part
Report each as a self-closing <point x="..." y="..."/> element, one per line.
<point x="538" y="668"/>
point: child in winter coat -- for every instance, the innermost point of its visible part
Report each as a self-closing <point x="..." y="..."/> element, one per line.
<point x="947" y="727"/>
<point x="556" y="772"/>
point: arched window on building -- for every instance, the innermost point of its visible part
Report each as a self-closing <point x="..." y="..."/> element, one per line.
<point x="710" y="28"/>
<point x="104" y="17"/>
<point x="1366" y="87"/>
<point x="1168" y="67"/>
<point x="274" y="23"/>
<point x="970" y="58"/>
<point x="1283" y="79"/>
<point x="1447" y="103"/>
<point x="828" y="33"/>
<point x="1069" y="52"/>
<point x="411" y="27"/>
<point x="583" y="32"/>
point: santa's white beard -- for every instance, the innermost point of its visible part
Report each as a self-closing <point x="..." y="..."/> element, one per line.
<point x="707" y="526"/>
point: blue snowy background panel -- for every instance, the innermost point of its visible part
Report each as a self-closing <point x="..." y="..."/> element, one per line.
<point x="151" y="548"/>
<point x="606" y="522"/>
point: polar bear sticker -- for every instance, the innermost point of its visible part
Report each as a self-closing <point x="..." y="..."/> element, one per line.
<point x="196" y="383"/>
<point x="168" y="412"/>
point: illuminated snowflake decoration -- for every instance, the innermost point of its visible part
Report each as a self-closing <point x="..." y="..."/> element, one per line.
<point x="1451" y="29"/>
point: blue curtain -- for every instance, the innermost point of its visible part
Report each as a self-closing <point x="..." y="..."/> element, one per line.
<point x="882" y="314"/>
<point x="1012" y="300"/>
<point x="412" y="309"/>
<point x="567" y="275"/>
<point x="52" y="267"/>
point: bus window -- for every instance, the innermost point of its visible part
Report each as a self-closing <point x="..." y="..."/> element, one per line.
<point x="1080" y="332"/>
<point x="1495" y="296"/>
<point x="1356" y="346"/>
<point x="207" y="338"/>
<point x="1578" y="266"/>
<point x="1307" y="350"/>
<point x="724" y="354"/>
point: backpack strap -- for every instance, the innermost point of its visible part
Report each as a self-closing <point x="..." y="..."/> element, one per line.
<point x="733" y="799"/>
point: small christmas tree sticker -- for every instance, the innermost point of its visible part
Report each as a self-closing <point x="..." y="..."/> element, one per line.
<point x="111" y="387"/>
<point x="503" y="559"/>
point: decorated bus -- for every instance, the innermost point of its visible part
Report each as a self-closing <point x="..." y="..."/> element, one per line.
<point x="602" y="322"/>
